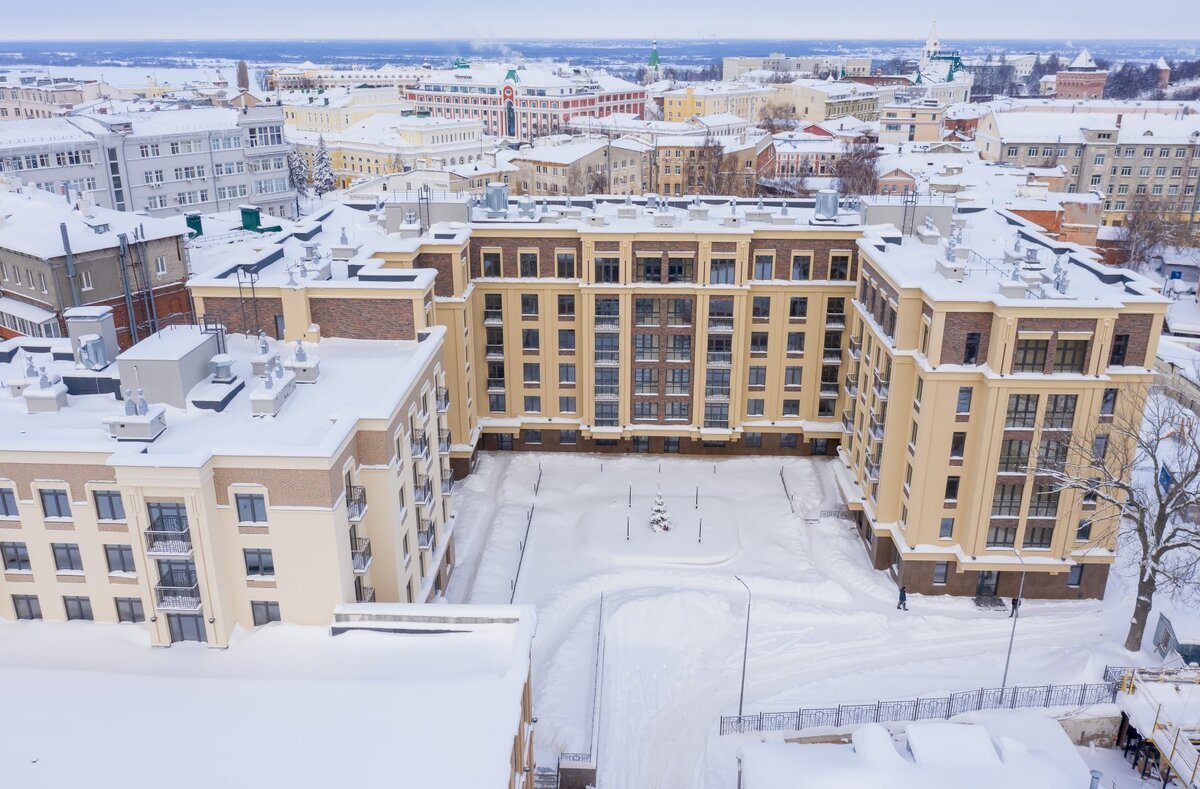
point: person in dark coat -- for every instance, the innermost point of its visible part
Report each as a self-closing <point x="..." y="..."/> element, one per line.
<point x="1016" y="603"/>
<point x="903" y="604"/>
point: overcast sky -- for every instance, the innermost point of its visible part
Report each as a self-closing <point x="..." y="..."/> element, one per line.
<point x="635" y="19"/>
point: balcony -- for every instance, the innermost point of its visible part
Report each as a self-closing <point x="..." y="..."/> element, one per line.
<point x="425" y="535"/>
<point x="608" y="357"/>
<point x="356" y="503"/>
<point x="880" y="388"/>
<point x="495" y="385"/>
<point x="443" y="399"/>
<point x="608" y="323"/>
<point x="360" y="554"/>
<point x="720" y="358"/>
<point x="872" y="469"/>
<point x="829" y="389"/>
<point x="718" y="393"/>
<point x="607" y="391"/>
<point x="423" y="492"/>
<point x="875" y="428"/>
<point x="177" y="596"/>
<point x="831" y="356"/>
<point x="1013" y="465"/>
<point x="835" y="320"/>
<point x="493" y="353"/>
<point x="851" y="386"/>
<point x="444" y="442"/>
<point x="493" y="318"/>
<point x="855" y="349"/>
<point x="722" y="424"/>
<point x="720" y="323"/>
<point x="419" y="444"/>
<point x="168" y="535"/>
<point x="447" y="484"/>
<point x="366" y="594"/>
<point x="607" y="421"/>
<point x="847" y="422"/>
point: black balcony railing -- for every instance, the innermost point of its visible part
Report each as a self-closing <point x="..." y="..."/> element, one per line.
<point x="419" y="444"/>
<point x="177" y="592"/>
<point x="360" y="553"/>
<point x="366" y="594"/>
<point x="443" y="399"/>
<point x="423" y="492"/>
<point x="169" y="535"/>
<point x="720" y="358"/>
<point x="720" y="323"/>
<point x="356" y="502"/>
<point x="444" y="442"/>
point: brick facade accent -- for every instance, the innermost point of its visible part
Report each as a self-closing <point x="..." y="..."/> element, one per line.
<point x="687" y="446"/>
<point x="1057" y="325"/>
<point x="821" y="249"/>
<point x="285" y="487"/>
<point x="229" y="312"/>
<point x="955" y="329"/>
<point x="509" y="262"/>
<point x="1138" y="327"/>
<point x="75" y="475"/>
<point x="443" y="285"/>
<point x="364" y="319"/>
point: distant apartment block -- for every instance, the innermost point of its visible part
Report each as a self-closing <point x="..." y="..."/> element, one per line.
<point x="34" y="94"/>
<point x="735" y="68"/>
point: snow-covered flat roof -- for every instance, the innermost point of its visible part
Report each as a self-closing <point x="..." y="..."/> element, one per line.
<point x="173" y="121"/>
<point x="34" y="131"/>
<point x="359" y="379"/>
<point x="30" y="219"/>
<point x="287" y="705"/>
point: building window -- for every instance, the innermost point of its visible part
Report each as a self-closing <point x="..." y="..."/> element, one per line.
<point x="791" y="408"/>
<point x="566" y="340"/>
<point x="129" y="609"/>
<point x="27" y="606"/>
<point x="839" y="266"/>
<point x="1001" y="536"/>
<point x="529" y="305"/>
<point x="764" y="266"/>
<point x="1075" y="576"/>
<point x="1030" y="356"/>
<point x="1070" y="356"/>
<point x="533" y="404"/>
<point x="760" y="308"/>
<point x="971" y="348"/>
<point x="566" y="306"/>
<point x="66" y="557"/>
<point x="755" y="406"/>
<point x="1108" y="402"/>
<point x="259" y="561"/>
<point x="78" y="608"/>
<point x="650" y="269"/>
<point x="789" y="440"/>
<point x="566" y="373"/>
<point x="1006" y="500"/>
<point x="679" y="270"/>
<point x="566" y="404"/>
<point x="964" y="400"/>
<point x="496" y="402"/>
<point x="1044" y="503"/>
<point x="795" y="343"/>
<point x="758" y="375"/>
<point x="530" y="339"/>
<point x="568" y="437"/>
<point x="798" y="308"/>
<point x="958" y="444"/>
<point x="532" y="373"/>
<point x="527" y="264"/>
<point x="55" y="503"/>
<point x="720" y="271"/>
<point x="491" y="264"/>
<point x="1039" y="536"/>
<point x="752" y="440"/>
<point x="940" y="570"/>
<point x="1060" y="412"/>
<point x="946" y="529"/>
<point x="264" y="612"/>
<point x="608" y="270"/>
<point x="109" y="506"/>
<point x="792" y="376"/>
<point x="671" y="444"/>
<point x="16" y="555"/>
<point x="120" y="558"/>
<point x="952" y="488"/>
<point x="1084" y="532"/>
<point x="1022" y="411"/>
<point x="801" y="267"/>
<point x="251" y="507"/>
<point x="1120" y="348"/>
<point x="565" y="265"/>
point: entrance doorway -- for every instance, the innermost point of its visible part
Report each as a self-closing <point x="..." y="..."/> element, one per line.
<point x="988" y="580"/>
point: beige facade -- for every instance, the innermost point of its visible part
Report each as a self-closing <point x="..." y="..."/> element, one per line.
<point x="594" y="167"/>
<point x="742" y="99"/>
<point x="816" y="100"/>
<point x="36" y="95"/>
<point x="1131" y="160"/>
<point x="741" y="67"/>
<point x="336" y="109"/>
<point x="919" y="121"/>
<point x="964" y="389"/>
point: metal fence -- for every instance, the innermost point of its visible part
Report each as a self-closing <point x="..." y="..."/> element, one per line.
<point x="937" y="708"/>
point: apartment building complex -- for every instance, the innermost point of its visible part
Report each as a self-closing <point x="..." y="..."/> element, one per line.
<point x="523" y="103"/>
<point x="591" y="166"/>
<point x="328" y="110"/>
<point x="734" y="68"/>
<point x="34" y="94"/>
<point x="242" y="481"/>
<point x="911" y="121"/>
<point x="972" y="371"/>
<point x="393" y="142"/>
<point x="1132" y="160"/>
<point x="309" y="76"/>
<point x="715" y="164"/>
<point x="820" y="100"/>
<point x="161" y="163"/>
<point x="745" y="100"/>
<point x="56" y="255"/>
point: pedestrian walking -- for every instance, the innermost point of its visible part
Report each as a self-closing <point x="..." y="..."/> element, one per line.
<point x="1016" y="603"/>
<point x="903" y="604"/>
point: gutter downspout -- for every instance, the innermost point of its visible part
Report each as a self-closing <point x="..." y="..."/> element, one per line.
<point x="71" y="274"/>
<point x="123" y="254"/>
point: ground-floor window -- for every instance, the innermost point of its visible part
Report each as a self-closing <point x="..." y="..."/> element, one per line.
<point x="1075" y="575"/>
<point x="641" y="443"/>
<point x="568" y="436"/>
<point x="671" y="444"/>
<point x="129" y="609"/>
<point x="78" y="608"/>
<point x="753" y="440"/>
<point x="819" y="446"/>
<point x="264" y="611"/>
<point x="186" y="627"/>
<point x="789" y="440"/>
<point x="940" y="571"/>
<point x="504" y="441"/>
<point x="27" y="606"/>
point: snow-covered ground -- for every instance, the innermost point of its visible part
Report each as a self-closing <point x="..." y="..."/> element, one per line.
<point x="824" y="628"/>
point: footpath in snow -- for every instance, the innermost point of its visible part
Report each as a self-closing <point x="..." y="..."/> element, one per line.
<point x="824" y="628"/>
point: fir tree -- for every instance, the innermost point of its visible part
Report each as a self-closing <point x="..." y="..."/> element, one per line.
<point x="322" y="173"/>
<point x="660" y="519"/>
<point x="298" y="172"/>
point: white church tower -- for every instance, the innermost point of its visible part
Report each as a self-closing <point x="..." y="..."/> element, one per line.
<point x="932" y="46"/>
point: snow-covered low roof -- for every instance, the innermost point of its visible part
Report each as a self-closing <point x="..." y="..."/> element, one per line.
<point x="286" y="705"/>
<point x="939" y="755"/>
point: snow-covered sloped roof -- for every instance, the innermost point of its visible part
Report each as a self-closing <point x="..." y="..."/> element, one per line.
<point x="1083" y="61"/>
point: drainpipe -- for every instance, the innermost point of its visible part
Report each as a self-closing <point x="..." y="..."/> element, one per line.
<point x="123" y="254"/>
<point x="62" y="227"/>
<point x="1096" y="776"/>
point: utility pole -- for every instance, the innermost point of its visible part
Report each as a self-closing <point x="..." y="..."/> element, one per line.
<point x="745" y="645"/>
<point x="1016" y="615"/>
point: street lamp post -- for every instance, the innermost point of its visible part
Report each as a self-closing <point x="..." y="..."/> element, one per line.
<point x="745" y="645"/>
<point x="1016" y="614"/>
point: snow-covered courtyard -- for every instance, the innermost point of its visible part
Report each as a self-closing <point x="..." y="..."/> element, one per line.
<point x="824" y="628"/>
